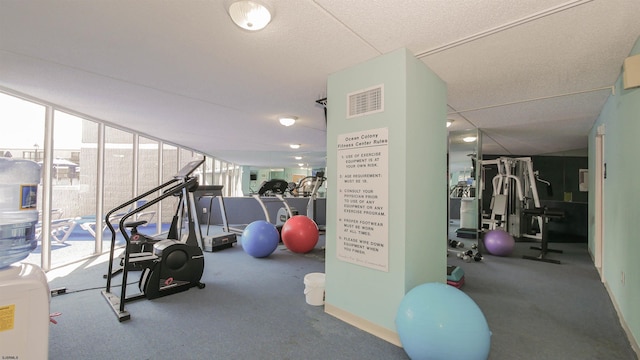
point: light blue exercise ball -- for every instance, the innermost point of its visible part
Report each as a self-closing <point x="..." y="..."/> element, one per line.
<point x="436" y="321"/>
<point x="260" y="238"/>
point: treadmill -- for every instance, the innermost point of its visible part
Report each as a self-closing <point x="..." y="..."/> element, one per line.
<point x="219" y="240"/>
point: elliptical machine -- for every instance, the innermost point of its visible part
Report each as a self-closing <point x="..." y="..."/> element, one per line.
<point x="172" y="266"/>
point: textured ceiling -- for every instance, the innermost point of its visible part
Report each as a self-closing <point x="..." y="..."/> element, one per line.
<point x="532" y="75"/>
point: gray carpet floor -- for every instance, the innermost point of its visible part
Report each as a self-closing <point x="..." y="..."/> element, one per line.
<point x="539" y="310"/>
<point x="255" y="309"/>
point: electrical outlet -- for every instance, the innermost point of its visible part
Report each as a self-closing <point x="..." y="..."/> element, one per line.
<point x="204" y="210"/>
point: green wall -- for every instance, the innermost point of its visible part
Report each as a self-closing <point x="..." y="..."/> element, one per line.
<point x="621" y="119"/>
<point x="414" y="114"/>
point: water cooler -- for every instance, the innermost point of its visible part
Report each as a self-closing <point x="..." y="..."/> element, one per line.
<point x="24" y="291"/>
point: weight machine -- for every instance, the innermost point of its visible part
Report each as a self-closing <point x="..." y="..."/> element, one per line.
<point x="514" y="192"/>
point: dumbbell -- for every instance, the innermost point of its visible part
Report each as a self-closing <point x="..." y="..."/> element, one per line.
<point x="468" y="255"/>
<point x="456" y="244"/>
<point x="477" y="257"/>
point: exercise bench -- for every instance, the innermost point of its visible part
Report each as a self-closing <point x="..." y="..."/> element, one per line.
<point x="546" y="214"/>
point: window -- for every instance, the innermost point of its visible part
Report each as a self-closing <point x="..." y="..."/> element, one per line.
<point x="148" y="177"/>
<point x="73" y="185"/>
<point x="73" y="188"/>
<point x="22" y="137"/>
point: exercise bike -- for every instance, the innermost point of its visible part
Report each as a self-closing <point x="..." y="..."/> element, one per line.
<point x="172" y="265"/>
<point x="308" y="187"/>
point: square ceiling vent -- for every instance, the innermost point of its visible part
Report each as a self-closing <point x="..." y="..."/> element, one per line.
<point x="365" y="102"/>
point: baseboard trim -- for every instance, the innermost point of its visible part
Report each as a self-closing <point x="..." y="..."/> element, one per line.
<point x="363" y="324"/>
<point x="632" y="340"/>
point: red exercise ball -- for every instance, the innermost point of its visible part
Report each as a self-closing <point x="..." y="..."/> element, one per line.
<point x="300" y="234"/>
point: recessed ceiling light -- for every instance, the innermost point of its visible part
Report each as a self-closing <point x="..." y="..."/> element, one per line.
<point x="249" y="15"/>
<point x="301" y="164"/>
<point x="469" y="139"/>
<point x="288" y="120"/>
<point x="294" y="146"/>
<point x="298" y="158"/>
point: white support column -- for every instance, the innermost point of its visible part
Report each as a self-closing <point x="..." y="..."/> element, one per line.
<point x="100" y="189"/>
<point x="47" y="163"/>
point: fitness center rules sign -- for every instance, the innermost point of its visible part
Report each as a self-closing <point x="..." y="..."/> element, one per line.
<point x="363" y="200"/>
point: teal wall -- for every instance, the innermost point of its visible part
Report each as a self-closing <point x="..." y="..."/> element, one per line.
<point x="621" y="118"/>
<point x="415" y="114"/>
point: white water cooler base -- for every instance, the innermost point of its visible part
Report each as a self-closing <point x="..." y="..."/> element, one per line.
<point x="24" y="312"/>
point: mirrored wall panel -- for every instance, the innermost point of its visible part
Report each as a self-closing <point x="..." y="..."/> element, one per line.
<point x="464" y="150"/>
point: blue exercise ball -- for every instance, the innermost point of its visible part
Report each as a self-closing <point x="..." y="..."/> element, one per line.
<point x="260" y="238"/>
<point x="436" y="321"/>
<point x="499" y="242"/>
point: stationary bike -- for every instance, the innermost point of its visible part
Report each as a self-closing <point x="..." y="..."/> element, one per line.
<point x="308" y="187"/>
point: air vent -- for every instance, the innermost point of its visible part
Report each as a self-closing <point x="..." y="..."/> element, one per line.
<point x="365" y="102"/>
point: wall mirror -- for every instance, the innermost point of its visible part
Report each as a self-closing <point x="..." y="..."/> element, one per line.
<point x="464" y="179"/>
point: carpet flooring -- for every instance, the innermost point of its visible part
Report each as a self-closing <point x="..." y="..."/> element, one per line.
<point x="255" y="309"/>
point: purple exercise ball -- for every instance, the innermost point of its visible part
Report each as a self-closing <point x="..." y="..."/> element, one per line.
<point x="499" y="242"/>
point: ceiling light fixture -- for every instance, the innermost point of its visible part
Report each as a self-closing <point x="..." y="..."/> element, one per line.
<point x="298" y="157"/>
<point x="249" y="15"/>
<point x="288" y="120"/>
<point x="295" y="146"/>
<point x="449" y="122"/>
<point x="469" y="139"/>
